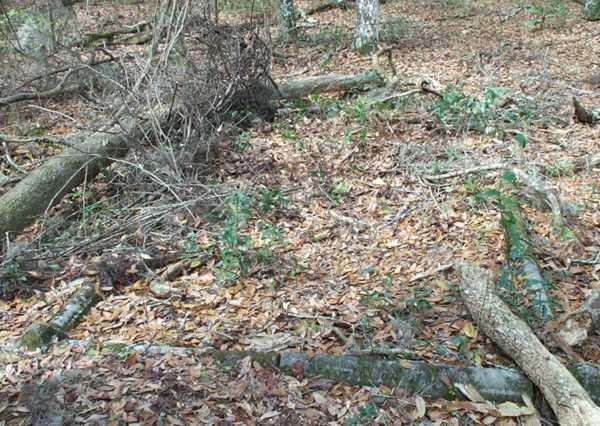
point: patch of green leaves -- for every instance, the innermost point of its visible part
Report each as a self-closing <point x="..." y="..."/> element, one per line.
<point x="458" y="111"/>
<point x="243" y="246"/>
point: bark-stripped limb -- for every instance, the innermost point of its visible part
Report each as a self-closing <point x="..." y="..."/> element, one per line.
<point x="571" y="403"/>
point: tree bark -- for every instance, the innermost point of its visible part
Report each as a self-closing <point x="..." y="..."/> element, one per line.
<point x="366" y="33"/>
<point x="326" y="83"/>
<point x="288" y="18"/>
<point x="569" y="400"/>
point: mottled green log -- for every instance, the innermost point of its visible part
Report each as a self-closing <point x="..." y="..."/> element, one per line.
<point x="40" y="335"/>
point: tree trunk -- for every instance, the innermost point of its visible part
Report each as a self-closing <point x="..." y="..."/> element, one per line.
<point x="569" y="400"/>
<point x="366" y="33"/>
<point x="288" y="18"/>
<point x="592" y="10"/>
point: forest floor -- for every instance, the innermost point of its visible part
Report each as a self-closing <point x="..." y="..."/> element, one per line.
<point x="354" y="239"/>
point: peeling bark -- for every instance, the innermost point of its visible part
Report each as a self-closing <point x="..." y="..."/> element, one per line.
<point x="569" y="400"/>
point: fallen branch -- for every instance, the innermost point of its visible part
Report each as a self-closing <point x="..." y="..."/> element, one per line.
<point x="327" y="83"/>
<point x="430" y="380"/>
<point x="468" y="171"/>
<point x="46" y="185"/>
<point x="110" y="35"/>
<point x="569" y="400"/>
<point x="419" y="377"/>
<point x="60" y="89"/>
<point x="329" y="5"/>
<point x="40" y="335"/>
<point x="519" y="250"/>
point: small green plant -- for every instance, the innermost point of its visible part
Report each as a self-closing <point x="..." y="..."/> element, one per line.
<point x="457" y="111"/>
<point x="242" y="247"/>
<point x="242" y="142"/>
<point x="365" y="415"/>
<point x="339" y="188"/>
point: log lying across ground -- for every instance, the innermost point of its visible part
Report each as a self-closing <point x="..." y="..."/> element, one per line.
<point x="327" y="83"/>
<point x="571" y="403"/>
<point x="418" y="377"/>
<point x="46" y="185"/>
<point x="39" y="336"/>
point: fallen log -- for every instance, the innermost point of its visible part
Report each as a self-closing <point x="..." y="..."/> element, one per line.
<point x="519" y="253"/>
<point x="46" y="185"/>
<point x="327" y="83"/>
<point x="106" y="272"/>
<point x="432" y="380"/>
<point x="419" y="377"/>
<point x="569" y="400"/>
<point x="39" y="336"/>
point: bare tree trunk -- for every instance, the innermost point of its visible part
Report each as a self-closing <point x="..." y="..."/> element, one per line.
<point x="366" y="33"/>
<point x="288" y="18"/>
<point x="592" y="10"/>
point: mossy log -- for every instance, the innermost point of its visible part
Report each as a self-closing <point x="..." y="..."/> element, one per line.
<point x="569" y="400"/>
<point x="39" y="336"/>
<point x="519" y="252"/>
<point x="431" y="380"/>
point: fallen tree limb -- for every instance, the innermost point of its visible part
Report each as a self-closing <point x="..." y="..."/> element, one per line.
<point x="46" y="185"/>
<point x="329" y="5"/>
<point x="495" y="384"/>
<point x="40" y="335"/>
<point x="431" y="380"/>
<point x="106" y="272"/>
<point x="327" y="83"/>
<point x="60" y="89"/>
<point x="519" y="252"/>
<point x="110" y="35"/>
<point x="569" y="400"/>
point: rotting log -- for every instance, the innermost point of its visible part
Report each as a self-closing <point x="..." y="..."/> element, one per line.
<point x="39" y="336"/>
<point x="571" y="403"/>
<point x="431" y="380"/>
<point x="519" y="250"/>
